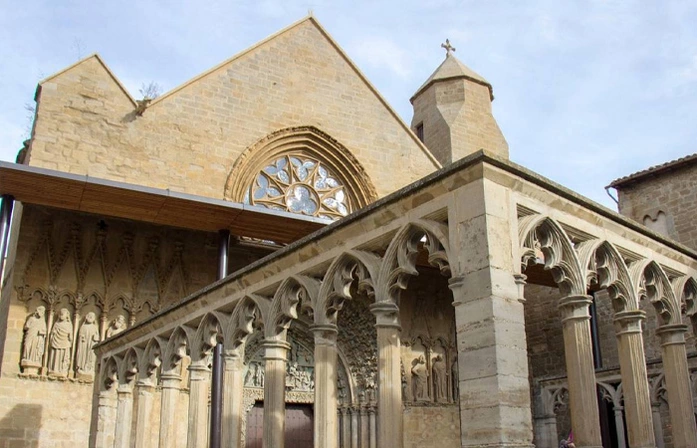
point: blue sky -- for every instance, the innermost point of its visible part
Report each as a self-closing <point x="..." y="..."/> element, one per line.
<point x="586" y="91"/>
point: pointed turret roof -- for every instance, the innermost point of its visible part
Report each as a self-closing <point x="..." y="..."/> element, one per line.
<point x="453" y="68"/>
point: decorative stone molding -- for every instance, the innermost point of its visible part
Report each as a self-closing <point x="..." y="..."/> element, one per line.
<point x="304" y="143"/>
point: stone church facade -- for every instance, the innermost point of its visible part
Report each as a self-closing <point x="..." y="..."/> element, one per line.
<point x="269" y="256"/>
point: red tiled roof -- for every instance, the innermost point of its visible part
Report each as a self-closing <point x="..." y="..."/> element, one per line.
<point x="654" y="170"/>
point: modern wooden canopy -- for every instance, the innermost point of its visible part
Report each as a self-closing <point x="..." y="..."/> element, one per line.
<point x="40" y="186"/>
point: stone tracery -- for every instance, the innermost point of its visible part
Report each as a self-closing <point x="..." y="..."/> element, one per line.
<point x="364" y="272"/>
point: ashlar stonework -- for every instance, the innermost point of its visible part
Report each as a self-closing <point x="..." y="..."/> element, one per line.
<point x="450" y="298"/>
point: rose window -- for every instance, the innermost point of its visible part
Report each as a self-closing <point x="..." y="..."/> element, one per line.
<point x="299" y="184"/>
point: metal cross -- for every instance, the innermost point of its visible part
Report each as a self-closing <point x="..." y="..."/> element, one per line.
<point x="448" y="48"/>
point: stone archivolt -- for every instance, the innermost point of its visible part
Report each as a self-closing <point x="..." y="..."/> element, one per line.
<point x="381" y="273"/>
<point x="304" y="165"/>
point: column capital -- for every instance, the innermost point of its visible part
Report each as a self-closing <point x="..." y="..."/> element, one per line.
<point x="275" y="349"/>
<point x="170" y="381"/>
<point x="456" y="282"/>
<point x="107" y="398"/>
<point x="520" y="281"/>
<point x="386" y="314"/>
<point x="628" y="321"/>
<point x="672" y="334"/>
<point x="198" y="372"/>
<point x="575" y="307"/>
<point x="144" y="384"/>
<point x="233" y="360"/>
<point x="124" y="389"/>
<point x="325" y="334"/>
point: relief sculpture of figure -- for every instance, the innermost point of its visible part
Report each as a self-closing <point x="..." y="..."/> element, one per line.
<point x="440" y="381"/>
<point x="34" y="341"/>
<point x="117" y="326"/>
<point x="60" y="343"/>
<point x="419" y="374"/>
<point x="86" y="339"/>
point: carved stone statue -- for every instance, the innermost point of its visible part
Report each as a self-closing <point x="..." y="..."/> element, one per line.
<point x="60" y="343"/>
<point x="419" y="375"/>
<point x="34" y="341"/>
<point x="440" y="380"/>
<point x="86" y="339"/>
<point x="117" y="326"/>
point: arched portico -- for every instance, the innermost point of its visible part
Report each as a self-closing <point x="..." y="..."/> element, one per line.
<point x="474" y="227"/>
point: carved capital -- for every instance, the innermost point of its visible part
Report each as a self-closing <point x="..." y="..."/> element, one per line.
<point x="275" y="349"/>
<point x="170" y="381"/>
<point x="106" y="399"/>
<point x="198" y="372"/>
<point x="145" y="386"/>
<point x="386" y="315"/>
<point x="234" y="361"/>
<point x="124" y="391"/>
<point x="629" y="321"/>
<point x="520" y="281"/>
<point x="325" y="334"/>
<point x="456" y="282"/>
<point x="673" y="334"/>
<point x="575" y="307"/>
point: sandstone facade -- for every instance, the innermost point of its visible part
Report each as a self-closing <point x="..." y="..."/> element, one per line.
<point x="463" y="310"/>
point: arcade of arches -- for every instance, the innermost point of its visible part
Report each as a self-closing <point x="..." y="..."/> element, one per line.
<point x="412" y="312"/>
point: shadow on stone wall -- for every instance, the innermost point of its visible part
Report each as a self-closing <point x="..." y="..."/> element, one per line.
<point x="20" y="427"/>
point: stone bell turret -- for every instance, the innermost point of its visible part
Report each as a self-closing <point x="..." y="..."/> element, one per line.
<point x="452" y="112"/>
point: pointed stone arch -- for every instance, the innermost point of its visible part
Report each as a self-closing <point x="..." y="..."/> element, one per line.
<point x="304" y="141"/>
<point x="399" y="263"/>
<point x="544" y="233"/>
<point x="177" y="347"/>
<point x="651" y="282"/>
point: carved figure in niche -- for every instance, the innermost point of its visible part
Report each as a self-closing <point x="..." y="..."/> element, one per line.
<point x="440" y="380"/>
<point x="249" y="377"/>
<point x="60" y="343"/>
<point x="419" y="375"/>
<point x="403" y="378"/>
<point x="117" y="326"/>
<point x="341" y="388"/>
<point x="255" y="375"/>
<point x="34" y="341"/>
<point x="87" y="337"/>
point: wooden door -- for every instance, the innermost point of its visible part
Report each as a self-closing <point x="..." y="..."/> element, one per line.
<point x="299" y="426"/>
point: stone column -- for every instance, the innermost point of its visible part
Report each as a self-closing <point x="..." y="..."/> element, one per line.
<point x="233" y="399"/>
<point x="578" y="351"/>
<point x="171" y="385"/>
<point x="346" y="428"/>
<point x="197" y="429"/>
<point x="678" y="385"/>
<point x="124" y="416"/>
<point x="635" y="383"/>
<point x="144" y="391"/>
<point x="494" y="385"/>
<point x="619" y="424"/>
<point x="657" y="424"/>
<point x="325" y="425"/>
<point x="106" y="419"/>
<point x="354" y="426"/>
<point x="390" y="417"/>
<point x="365" y="431"/>
<point x="373" y="428"/>
<point x="547" y="436"/>
<point x="275" y="357"/>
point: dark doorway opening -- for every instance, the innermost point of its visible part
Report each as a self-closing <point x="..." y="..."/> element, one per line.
<point x="299" y="426"/>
